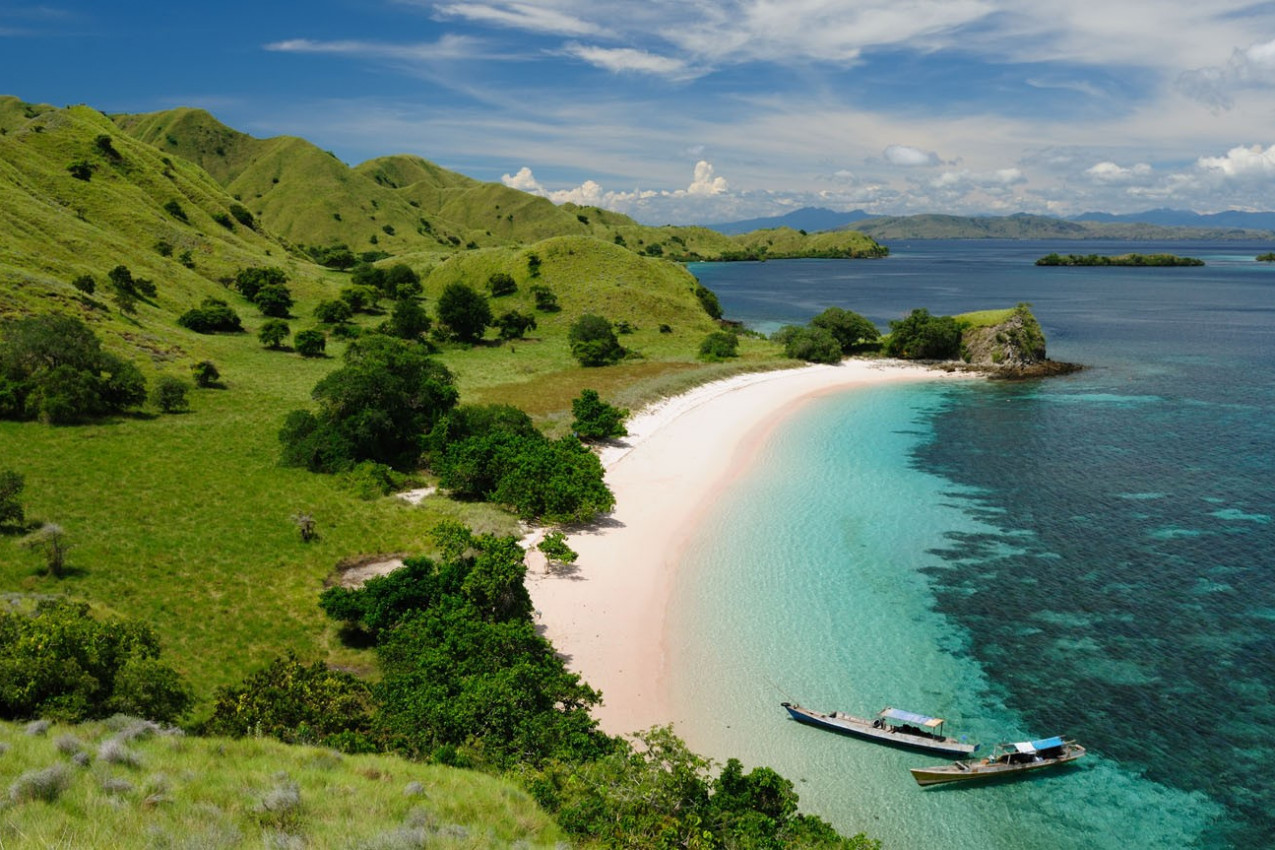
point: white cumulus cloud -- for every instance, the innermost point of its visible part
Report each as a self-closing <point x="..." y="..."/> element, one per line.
<point x="1241" y="162"/>
<point x="909" y="157"/>
<point x="1110" y="172"/>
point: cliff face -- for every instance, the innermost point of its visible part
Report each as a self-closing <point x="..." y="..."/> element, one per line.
<point x="1015" y="344"/>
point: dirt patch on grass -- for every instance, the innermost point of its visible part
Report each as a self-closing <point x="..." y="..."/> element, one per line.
<point x="353" y="571"/>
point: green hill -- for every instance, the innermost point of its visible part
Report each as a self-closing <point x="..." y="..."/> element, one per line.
<point x="129" y="784"/>
<point x="1037" y="227"/>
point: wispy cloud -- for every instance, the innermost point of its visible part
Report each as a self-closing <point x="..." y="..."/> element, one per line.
<point x="448" y="47"/>
<point x="1216" y="85"/>
<point x="625" y="59"/>
<point x="531" y="17"/>
<point x="909" y="157"/>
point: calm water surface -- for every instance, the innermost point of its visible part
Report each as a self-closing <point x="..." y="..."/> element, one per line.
<point x="1091" y="555"/>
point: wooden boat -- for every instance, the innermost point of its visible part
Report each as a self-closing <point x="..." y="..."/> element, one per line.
<point x="1005" y="760"/>
<point x="891" y="726"/>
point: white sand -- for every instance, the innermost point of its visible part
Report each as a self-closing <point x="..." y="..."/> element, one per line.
<point x="607" y="616"/>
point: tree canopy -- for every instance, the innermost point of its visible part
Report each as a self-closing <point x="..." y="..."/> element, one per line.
<point x="53" y="368"/>
<point x="377" y="407"/>
<point x="593" y="342"/>
<point x="464" y="311"/>
<point x="921" y="336"/>
<point x="854" y="333"/>
<point x="595" y="419"/>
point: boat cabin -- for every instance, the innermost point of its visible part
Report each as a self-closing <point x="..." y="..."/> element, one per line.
<point x="1026" y="752"/>
<point x="905" y="722"/>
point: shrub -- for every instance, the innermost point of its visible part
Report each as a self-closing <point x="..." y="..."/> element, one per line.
<point x="53" y="368"/>
<point x="206" y="374"/>
<point x="853" y="332"/>
<point x="242" y="215"/>
<point x="593" y="343"/>
<point x="249" y="281"/>
<point x="501" y="284"/>
<point x="60" y="663"/>
<point x="719" y="345"/>
<point x="814" y="345"/>
<point x="310" y="343"/>
<point x="212" y="316"/>
<point x="401" y="281"/>
<point x="359" y="298"/>
<point x="555" y="548"/>
<point x="921" y="336"/>
<point x="45" y="785"/>
<point x="332" y="312"/>
<point x="708" y="300"/>
<point x="85" y="284"/>
<point x="366" y="274"/>
<point x="273" y="299"/>
<point x="164" y="248"/>
<point x="514" y="325"/>
<point x="82" y="169"/>
<point x="273" y="333"/>
<point x="546" y="300"/>
<point x="169" y="394"/>
<point x="464" y="311"/>
<point x="224" y="220"/>
<point x="595" y="419"/>
<point x="11" y="486"/>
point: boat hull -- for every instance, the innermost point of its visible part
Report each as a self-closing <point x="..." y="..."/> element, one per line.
<point x="962" y="772"/>
<point x="859" y="727"/>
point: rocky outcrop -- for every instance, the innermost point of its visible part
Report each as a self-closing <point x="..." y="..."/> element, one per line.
<point x="1012" y="348"/>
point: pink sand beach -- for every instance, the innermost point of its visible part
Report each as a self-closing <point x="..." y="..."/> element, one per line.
<point x="607" y="615"/>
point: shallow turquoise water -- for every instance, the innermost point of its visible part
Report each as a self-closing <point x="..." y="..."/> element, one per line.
<point x="808" y="582"/>
<point x="1091" y="556"/>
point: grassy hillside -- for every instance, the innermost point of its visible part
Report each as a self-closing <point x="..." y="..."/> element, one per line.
<point x="121" y="784"/>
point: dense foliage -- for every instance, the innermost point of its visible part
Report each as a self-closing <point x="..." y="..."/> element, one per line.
<point x="212" y="316"/>
<point x="58" y="662"/>
<point x="495" y="454"/>
<point x="853" y="332"/>
<point x="921" y="336"/>
<point x="1156" y="260"/>
<point x="719" y="345"/>
<point x="595" y="419"/>
<point x="53" y="368"/>
<point x="815" y="345"/>
<point x="11" y="510"/>
<point x="593" y="342"/>
<point x="376" y="407"/>
<point x="464" y="311"/>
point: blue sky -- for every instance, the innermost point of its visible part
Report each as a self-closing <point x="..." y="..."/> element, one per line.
<point x="695" y="111"/>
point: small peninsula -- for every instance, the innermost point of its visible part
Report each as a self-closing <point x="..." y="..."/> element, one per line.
<point x="1148" y="260"/>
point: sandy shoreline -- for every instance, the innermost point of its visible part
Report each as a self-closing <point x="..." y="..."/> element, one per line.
<point x="607" y="616"/>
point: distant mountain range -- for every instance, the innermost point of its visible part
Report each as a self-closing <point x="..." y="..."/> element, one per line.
<point x="1162" y="224"/>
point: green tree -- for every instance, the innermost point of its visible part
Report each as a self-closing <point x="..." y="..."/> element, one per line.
<point x="595" y="419"/>
<point x="464" y="311"/>
<point x="854" y="333"/>
<point x="273" y="333"/>
<point x="401" y="281"/>
<point x="53" y="368"/>
<point x="514" y="325"/>
<point x="332" y="312"/>
<point x="708" y="300"/>
<point x="310" y="343"/>
<point x="376" y="407"/>
<point x="719" y="345"/>
<point x="273" y="299"/>
<point x="593" y="343"/>
<point x="11" y="485"/>
<point x="82" y="169"/>
<point x="546" y="300"/>
<point x="920" y="336"/>
<point x="249" y="281"/>
<point x="408" y="320"/>
<point x="85" y="283"/>
<point x="811" y="344"/>
<point x="298" y="704"/>
<point x="60" y="663"/>
<point x="555" y="549"/>
<point x="212" y="316"/>
<point x="170" y="394"/>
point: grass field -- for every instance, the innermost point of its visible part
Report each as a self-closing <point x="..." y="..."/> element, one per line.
<point x="122" y="784"/>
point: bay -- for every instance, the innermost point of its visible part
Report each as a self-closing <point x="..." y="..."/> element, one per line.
<point x="1088" y="555"/>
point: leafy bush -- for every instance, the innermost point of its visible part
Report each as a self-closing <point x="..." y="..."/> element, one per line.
<point x="310" y="343"/>
<point x="853" y="332"/>
<point x="249" y="281"/>
<point x="85" y="284"/>
<point x="555" y="548"/>
<point x="82" y="169"/>
<point x="242" y="215"/>
<point x="273" y="299"/>
<point x="60" y="663"/>
<point x="593" y="343"/>
<point x="224" y="220"/>
<point x="169" y="394"/>
<point x="814" y="345"/>
<point x="408" y="320"/>
<point x="332" y="312"/>
<point x="514" y="325"/>
<point x="53" y="368"/>
<point x="546" y="300"/>
<point x="921" y="336"/>
<point x="501" y="284"/>
<point x="211" y="316"/>
<point x="206" y="374"/>
<point x="174" y="208"/>
<point x="708" y="300"/>
<point x="11" y="486"/>
<point x="273" y="333"/>
<point x="296" y="703"/>
<point x="374" y="408"/>
<point x="401" y="281"/>
<point x="464" y="311"/>
<point x="719" y="345"/>
<point x="595" y="419"/>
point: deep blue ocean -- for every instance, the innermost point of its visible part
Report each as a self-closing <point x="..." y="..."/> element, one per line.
<point x="1090" y="555"/>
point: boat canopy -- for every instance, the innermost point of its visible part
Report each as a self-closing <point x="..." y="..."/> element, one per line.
<point x="908" y="717"/>
<point x="1034" y="746"/>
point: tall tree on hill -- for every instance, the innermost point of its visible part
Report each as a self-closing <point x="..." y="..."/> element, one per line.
<point x="464" y="311"/>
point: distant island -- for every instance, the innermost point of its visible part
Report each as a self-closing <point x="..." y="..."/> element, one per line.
<point x="1268" y="257"/>
<point x="1158" y="260"/>
<point x="1038" y="227"/>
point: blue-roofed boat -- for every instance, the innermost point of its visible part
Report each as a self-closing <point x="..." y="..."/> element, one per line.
<point x="891" y="726"/>
<point x="1006" y="760"/>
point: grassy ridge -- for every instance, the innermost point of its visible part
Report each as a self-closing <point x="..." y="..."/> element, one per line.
<point x="140" y="789"/>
